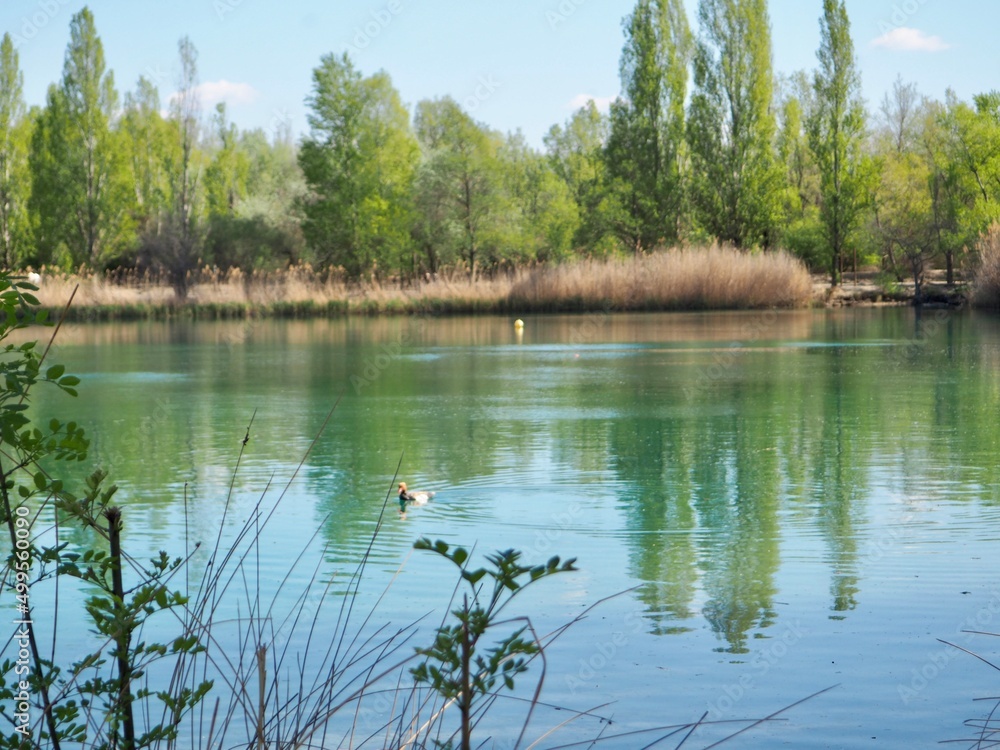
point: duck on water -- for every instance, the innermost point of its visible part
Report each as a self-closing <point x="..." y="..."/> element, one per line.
<point x="412" y="498"/>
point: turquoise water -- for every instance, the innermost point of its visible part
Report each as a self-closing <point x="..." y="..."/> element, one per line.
<point x="777" y="503"/>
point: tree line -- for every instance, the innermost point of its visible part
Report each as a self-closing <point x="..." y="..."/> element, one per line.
<point x="705" y="143"/>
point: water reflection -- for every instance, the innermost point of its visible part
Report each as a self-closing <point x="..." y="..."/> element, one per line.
<point x="707" y="445"/>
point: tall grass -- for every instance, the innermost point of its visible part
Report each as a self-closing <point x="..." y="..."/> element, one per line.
<point x="986" y="281"/>
<point x="689" y="279"/>
<point x="706" y="278"/>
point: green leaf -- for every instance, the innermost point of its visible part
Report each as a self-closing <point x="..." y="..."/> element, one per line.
<point x="55" y="372"/>
<point x="40" y="481"/>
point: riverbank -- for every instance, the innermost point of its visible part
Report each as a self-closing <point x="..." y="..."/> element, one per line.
<point x="681" y="280"/>
<point x="869" y="289"/>
<point x="711" y="278"/>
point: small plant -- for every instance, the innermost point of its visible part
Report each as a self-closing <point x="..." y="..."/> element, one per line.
<point x="93" y="700"/>
<point x="457" y="666"/>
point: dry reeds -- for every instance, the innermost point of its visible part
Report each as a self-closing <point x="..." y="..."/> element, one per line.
<point x="715" y="277"/>
<point x="986" y="280"/>
<point x="690" y="279"/>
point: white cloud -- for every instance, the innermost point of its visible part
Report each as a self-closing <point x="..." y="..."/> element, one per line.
<point x="580" y="100"/>
<point x="211" y="93"/>
<point x="905" y="39"/>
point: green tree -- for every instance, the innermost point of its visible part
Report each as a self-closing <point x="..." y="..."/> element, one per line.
<point x="905" y="218"/>
<point x="185" y="112"/>
<point x="803" y="231"/>
<point x="15" y="128"/>
<point x="541" y="215"/>
<point x="227" y="174"/>
<point x="264" y="230"/>
<point x="836" y="134"/>
<point x="900" y="111"/>
<point x="173" y="246"/>
<point x="92" y="208"/>
<point x="460" y="187"/>
<point x="149" y="143"/>
<point x="972" y="143"/>
<point x="358" y="161"/>
<point x="736" y="183"/>
<point x="645" y="147"/>
<point x="576" y="153"/>
<point x="48" y="164"/>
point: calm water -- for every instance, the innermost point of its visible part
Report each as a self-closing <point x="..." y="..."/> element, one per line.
<point x="799" y="500"/>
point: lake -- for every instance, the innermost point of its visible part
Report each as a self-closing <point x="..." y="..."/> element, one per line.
<point x="790" y="501"/>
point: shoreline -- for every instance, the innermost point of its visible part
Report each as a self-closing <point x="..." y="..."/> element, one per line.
<point x="98" y="300"/>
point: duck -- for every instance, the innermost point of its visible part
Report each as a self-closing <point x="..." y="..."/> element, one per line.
<point x="412" y="498"/>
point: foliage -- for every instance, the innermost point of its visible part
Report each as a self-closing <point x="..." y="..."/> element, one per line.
<point x="645" y="147"/>
<point x="15" y="134"/>
<point x="150" y="147"/>
<point x="801" y="232"/>
<point x="96" y="700"/>
<point x="541" y="216"/>
<point x="359" y="161"/>
<point x="457" y="666"/>
<point x="576" y="153"/>
<point x="459" y="187"/>
<point x="836" y="131"/>
<point x="80" y="188"/>
<point x="736" y="183"/>
<point x="701" y="146"/>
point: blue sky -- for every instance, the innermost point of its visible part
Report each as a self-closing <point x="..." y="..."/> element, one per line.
<point x="515" y="64"/>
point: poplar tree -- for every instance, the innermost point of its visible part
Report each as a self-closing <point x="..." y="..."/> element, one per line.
<point x="836" y="134"/>
<point x="100" y="211"/>
<point x="185" y="112"/>
<point x="645" y="147"/>
<point x="149" y="149"/>
<point x="14" y="127"/>
<point x="80" y="176"/>
<point x="736" y="183"/>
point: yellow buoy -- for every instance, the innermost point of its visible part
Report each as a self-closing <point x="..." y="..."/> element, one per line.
<point x="519" y="324"/>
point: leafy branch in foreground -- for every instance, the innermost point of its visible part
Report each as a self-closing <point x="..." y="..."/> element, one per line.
<point x="95" y="699"/>
<point x="456" y="666"/>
